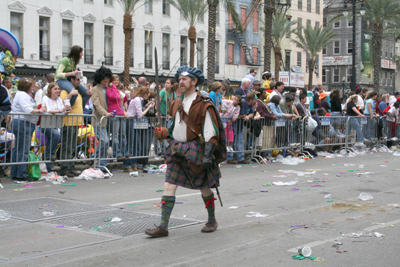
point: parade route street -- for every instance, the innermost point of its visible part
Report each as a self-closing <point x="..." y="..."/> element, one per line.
<point x="255" y="228"/>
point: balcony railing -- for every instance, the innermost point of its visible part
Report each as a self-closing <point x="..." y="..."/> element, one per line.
<point x="165" y="65"/>
<point x="148" y="64"/>
<point x="44" y="53"/>
<point x="88" y="56"/>
<point x="108" y="57"/>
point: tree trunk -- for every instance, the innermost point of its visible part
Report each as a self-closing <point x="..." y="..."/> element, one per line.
<point x="128" y="35"/>
<point x="311" y="64"/>
<point x="269" y="11"/>
<point x="212" y="22"/>
<point x="192" y="39"/>
<point x="377" y="37"/>
<point x="278" y="58"/>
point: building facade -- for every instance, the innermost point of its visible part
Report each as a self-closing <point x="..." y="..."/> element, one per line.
<point x="47" y="29"/>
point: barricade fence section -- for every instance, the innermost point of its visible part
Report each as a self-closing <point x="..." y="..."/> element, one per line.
<point x="47" y="138"/>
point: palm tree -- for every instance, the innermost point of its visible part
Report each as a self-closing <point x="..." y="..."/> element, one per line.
<point x="192" y="11"/>
<point x="379" y="12"/>
<point x="212" y="23"/>
<point x="269" y="8"/>
<point x="129" y="7"/>
<point x="280" y="28"/>
<point x="313" y="40"/>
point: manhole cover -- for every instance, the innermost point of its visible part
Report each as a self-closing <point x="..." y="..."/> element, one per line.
<point x="126" y="223"/>
<point x="38" y="209"/>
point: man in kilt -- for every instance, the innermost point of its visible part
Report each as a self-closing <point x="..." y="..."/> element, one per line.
<point x="197" y="146"/>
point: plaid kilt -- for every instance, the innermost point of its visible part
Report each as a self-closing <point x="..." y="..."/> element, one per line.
<point x="178" y="155"/>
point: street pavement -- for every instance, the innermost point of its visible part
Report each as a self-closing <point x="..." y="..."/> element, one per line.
<point x="289" y="217"/>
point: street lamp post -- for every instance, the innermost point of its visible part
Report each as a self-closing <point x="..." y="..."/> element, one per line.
<point x="346" y="13"/>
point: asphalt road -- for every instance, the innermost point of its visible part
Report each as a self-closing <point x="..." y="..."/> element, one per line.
<point x="289" y="217"/>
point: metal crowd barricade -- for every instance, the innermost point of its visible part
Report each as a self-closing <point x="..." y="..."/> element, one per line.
<point x="47" y="138"/>
<point x="132" y="138"/>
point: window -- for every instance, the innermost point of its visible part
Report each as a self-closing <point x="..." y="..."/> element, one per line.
<point x="324" y="22"/>
<point x="300" y="4"/>
<point x="349" y="23"/>
<point x="255" y="55"/>
<point x="307" y="62"/>
<point x="165" y="8"/>
<point x="216" y="56"/>
<point x="148" y="49"/>
<point x="217" y="14"/>
<point x="165" y="51"/>
<point x="183" y="50"/>
<point x="230" y="21"/>
<point x="200" y="54"/>
<point x="349" y="46"/>
<point x="317" y="24"/>
<point x="148" y="7"/>
<point x="287" y="60"/>
<point x="16" y="29"/>
<point x="391" y="52"/>
<point x="323" y="75"/>
<point x="243" y="16"/>
<point x="108" y="2"/>
<point x="308" y="5"/>
<point x="66" y="37"/>
<point x="299" y="59"/>
<point x="317" y="6"/>
<point x="336" y="75"/>
<point x="44" y="38"/>
<point x="299" y="24"/>
<point x="308" y="22"/>
<point x="242" y="56"/>
<point x="324" y="50"/>
<point x="287" y="23"/>
<point x="201" y="18"/>
<point x="386" y="53"/>
<point x="230" y="54"/>
<point x="336" y="25"/>
<point x="316" y="63"/>
<point x="349" y="73"/>
<point x="255" y="21"/>
<point x="336" y="47"/>
<point x="88" y="43"/>
<point x="108" y="45"/>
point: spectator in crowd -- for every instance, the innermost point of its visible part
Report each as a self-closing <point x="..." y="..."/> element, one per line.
<point x="323" y="103"/>
<point x="49" y="124"/>
<point x="251" y="76"/>
<point x="336" y="106"/>
<point x="384" y="102"/>
<point x="360" y="100"/>
<point x="175" y="88"/>
<point x="318" y="90"/>
<point x="70" y="127"/>
<point x="267" y="77"/>
<point x="315" y="116"/>
<point x="286" y="105"/>
<point x="392" y="111"/>
<point x="215" y="94"/>
<point x="301" y="106"/>
<point x="5" y="104"/>
<point x="68" y="67"/>
<point x="267" y="126"/>
<point x="370" y="113"/>
<point x="148" y="137"/>
<point x="274" y="105"/>
<point x="280" y="86"/>
<point x="101" y="78"/>
<point x="227" y="90"/>
<point x="230" y="110"/>
<point x="256" y="85"/>
<point x="50" y="79"/>
<point x="134" y="138"/>
<point x="352" y="111"/>
<point x="244" y="89"/>
<point x="337" y="131"/>
<point x="325" y="138"/>
<point x="246" y="113"/>
<point x="23" y="127"/>
<point x="115" y="102"/>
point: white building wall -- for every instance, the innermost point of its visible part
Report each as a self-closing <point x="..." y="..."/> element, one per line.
<point x="106" y="15"/>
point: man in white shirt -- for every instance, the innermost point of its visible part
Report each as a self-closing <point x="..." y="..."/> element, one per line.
<point x="280" y="86"/>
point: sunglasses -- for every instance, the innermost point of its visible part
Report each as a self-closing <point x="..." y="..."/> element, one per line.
<point x="106" y="78"/>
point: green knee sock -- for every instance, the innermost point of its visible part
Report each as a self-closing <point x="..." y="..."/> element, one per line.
<point x="209" y="201"/>
<point x="168" y="203"/>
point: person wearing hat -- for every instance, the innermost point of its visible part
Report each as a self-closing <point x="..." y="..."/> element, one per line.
<point x="256" y="85"/>
<point x="323" y="103"/>
<point x="197" y="146"/>
<point x="267" y="77"/>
